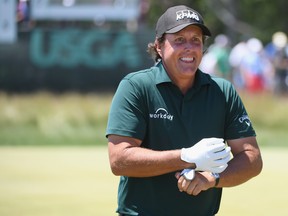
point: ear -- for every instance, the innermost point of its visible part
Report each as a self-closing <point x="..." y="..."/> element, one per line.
<point x="158" y="48"/>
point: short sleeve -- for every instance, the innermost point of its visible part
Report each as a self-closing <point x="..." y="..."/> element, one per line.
<point x="238" y="124"/>
<point x="126" y="116"/>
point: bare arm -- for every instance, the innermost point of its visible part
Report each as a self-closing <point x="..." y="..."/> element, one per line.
<point x="246" y="164"/>
<point x="128" y="158"/>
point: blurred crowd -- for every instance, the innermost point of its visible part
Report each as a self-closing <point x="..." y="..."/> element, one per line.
<point x="250" y="64"/>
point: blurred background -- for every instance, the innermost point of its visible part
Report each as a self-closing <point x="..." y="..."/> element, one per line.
<point x="60" y="64"/>
<point x="89" y="45"/>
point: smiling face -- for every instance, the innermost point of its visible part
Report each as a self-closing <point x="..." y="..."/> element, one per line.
<point x="181" y="54"/>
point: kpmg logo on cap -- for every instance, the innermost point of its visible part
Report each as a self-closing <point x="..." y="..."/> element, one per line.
<point x="180" y="15"/>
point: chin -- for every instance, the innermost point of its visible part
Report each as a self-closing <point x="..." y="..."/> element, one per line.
<point x="190" y="72"/>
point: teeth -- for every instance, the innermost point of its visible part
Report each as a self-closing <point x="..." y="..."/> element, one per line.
<point x="187" y="59"/>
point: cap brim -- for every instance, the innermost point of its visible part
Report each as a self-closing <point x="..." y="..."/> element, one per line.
<point x="205" y="30"/>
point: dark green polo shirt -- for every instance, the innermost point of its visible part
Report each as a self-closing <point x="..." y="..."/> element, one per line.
<point x="149" y="107"/>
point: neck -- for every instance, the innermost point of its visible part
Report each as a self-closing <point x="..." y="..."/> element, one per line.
<point x="183" y="83"/>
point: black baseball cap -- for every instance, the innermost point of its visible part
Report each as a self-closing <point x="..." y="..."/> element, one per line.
<point x="178" y="17"/>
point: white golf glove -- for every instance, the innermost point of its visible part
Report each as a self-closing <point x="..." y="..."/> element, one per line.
<point x="209" y="154"/>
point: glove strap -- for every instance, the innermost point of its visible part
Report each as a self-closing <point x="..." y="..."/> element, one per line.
<point x="217" y="178"/>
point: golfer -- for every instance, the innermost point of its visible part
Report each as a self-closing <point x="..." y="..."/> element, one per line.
<point x="177" y="136"/>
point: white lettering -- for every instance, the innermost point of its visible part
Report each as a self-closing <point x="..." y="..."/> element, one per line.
<point x="245" y="119"/>
<point x="161" y="113"/>
<point x="186" y="14"/>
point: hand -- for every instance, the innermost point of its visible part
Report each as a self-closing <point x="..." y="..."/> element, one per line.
<point x="209" y="154"/>
<point x="202" y="181"/>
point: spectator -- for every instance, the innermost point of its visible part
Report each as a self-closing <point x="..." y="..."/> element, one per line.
<point x="277" y="50"/>
<point x="255" y="67"/>
<point x="217" y="59"/>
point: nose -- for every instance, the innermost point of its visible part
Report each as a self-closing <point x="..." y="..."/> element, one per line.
<point x="189" y="45"/>
<point x="193" y="46"/>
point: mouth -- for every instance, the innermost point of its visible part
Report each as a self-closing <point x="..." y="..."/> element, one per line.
<point x="187" y="60"/>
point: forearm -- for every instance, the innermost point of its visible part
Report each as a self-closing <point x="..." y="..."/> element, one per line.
<point x="141" y="162"/>
<point x="241" y="168"/>
<point x="128" y="158"/>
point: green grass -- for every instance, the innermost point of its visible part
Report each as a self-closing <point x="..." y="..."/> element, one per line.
<point x="46" y="119"/>
<point x="47" y="181"/>
<point x="77" y="181"/>
<point x="75" y="119"/>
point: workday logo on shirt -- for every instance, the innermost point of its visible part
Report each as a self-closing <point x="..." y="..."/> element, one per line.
<point x="161" y="113"/>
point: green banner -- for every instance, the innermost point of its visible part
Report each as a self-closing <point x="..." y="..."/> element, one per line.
<point x="72" y="59"/>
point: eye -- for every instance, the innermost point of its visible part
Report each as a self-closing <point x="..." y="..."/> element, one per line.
<point x="179" y="40"/>
<point x="197" y="39"/>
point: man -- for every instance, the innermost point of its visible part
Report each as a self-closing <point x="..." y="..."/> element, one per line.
<point x="166" y="125"/>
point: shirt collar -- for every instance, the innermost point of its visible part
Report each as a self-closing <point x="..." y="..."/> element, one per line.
<point x="161" y="75"/>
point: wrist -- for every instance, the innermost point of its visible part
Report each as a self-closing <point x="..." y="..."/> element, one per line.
<point x="216" y="178"/>
<point x="188" y="164"/>
<point x="183" y="155"/>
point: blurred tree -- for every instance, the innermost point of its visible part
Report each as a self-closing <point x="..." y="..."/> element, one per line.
<point x="265" y="16"/>
<point x="237" y="19"/>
